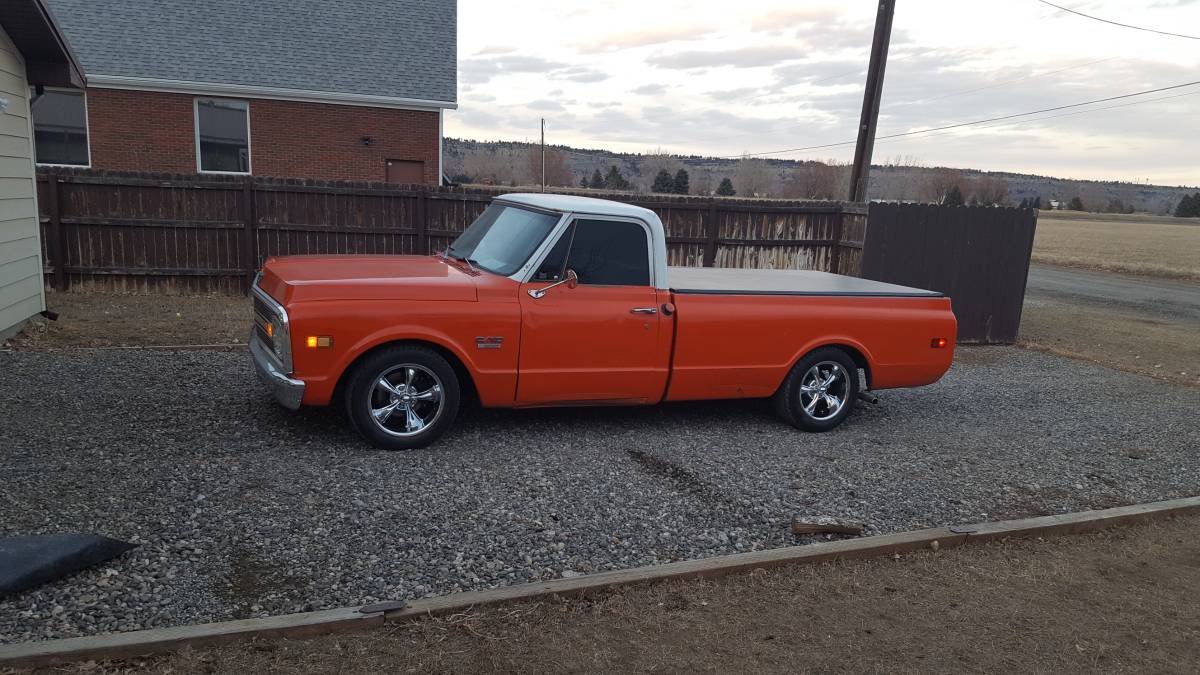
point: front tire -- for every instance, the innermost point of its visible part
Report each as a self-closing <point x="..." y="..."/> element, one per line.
<point x="819" y="392"/>
<point x="402" y="398"/>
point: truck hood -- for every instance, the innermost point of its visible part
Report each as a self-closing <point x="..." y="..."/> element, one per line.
<point x="366" y="277"/>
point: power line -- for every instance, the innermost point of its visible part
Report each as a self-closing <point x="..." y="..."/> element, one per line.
<point x="927" y="99"/>
<point x="1004" y="83"/>
<point x="1070" y="114"/>
<point x="1116" y="23"/>
<point x="973" y="122"/>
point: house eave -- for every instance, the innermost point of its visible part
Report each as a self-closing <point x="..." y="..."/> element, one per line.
<point x="275" y="93"/>
<point x="49" y="60"/>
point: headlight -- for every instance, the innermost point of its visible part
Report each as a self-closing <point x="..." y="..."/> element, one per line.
<point x="273" y="320"/>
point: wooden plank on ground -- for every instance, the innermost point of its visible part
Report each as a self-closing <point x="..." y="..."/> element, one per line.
<point x="1076" y="523"/>
<point x="705" y="568"/>
<point x="155" y="641"/>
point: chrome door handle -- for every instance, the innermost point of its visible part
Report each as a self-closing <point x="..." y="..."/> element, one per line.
<point x="644" y="310"/>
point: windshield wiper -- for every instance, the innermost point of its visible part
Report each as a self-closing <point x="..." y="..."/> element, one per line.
<point x="471" y="263"/>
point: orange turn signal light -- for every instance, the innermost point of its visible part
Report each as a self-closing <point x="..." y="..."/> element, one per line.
<point x="270" y="329"/>
<point x="319" y="341"/>
<point x="938" y="343"/>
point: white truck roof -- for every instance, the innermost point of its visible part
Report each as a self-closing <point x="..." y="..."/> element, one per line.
<point x="573" y="204"/>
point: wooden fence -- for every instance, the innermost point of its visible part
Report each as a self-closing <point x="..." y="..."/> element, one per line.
<point x="149" y="232"/>
<point x="139" y="232"/>
<point x="977" y="255"/>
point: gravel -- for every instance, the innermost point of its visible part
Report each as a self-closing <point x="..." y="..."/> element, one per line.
<point x="244" y="509"/>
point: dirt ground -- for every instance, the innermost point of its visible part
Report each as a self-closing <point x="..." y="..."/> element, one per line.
<point x="101" y="320"/>
<point x="1119" y="601"/>
<point x="1134" y="244"/>
<point x="1117" y="337"/>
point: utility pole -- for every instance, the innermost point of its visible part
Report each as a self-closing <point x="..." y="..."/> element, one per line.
<point x="543" y="154"/>
<point x="860" y="174"/>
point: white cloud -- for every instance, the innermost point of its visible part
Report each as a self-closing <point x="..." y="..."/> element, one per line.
<point x="770" y="74"/>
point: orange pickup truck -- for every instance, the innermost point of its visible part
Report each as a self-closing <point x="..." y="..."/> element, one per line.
<point x="553" y="300"/>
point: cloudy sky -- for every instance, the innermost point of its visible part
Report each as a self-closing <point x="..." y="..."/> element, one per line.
<point x="749" y="76"/>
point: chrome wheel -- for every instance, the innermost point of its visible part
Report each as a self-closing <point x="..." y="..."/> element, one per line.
<point x="824" y="390"/>
<point x="406" y="400"/>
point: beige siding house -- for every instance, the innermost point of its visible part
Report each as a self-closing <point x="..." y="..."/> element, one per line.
<point x="21" y="288"/>
<point x="33" y="55"/>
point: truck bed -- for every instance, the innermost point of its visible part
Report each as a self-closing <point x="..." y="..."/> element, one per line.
<point x="720" y="281"/>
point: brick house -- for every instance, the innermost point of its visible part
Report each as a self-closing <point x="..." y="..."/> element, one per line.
<point x="348" y="90"/>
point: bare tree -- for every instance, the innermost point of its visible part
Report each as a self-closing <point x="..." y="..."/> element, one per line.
<point x="989" y="190"/>
<point x="901" y="178"/>
<point x="812" y="180"/>
<point x="558" y="174"/>
<point x="702" y="182"/>
<point x="939" y="182"/>
<point x="651" y="164"/>
<point x="501" y="166"/>
<point x="753" y="178"/>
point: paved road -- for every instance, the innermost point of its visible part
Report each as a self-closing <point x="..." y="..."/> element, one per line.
<point x="1174" y="299"/>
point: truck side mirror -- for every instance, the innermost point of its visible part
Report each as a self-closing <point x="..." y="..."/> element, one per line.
<point x="571" y="280"/>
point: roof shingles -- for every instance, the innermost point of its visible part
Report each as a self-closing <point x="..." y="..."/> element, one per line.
<point x="389" y="48"/>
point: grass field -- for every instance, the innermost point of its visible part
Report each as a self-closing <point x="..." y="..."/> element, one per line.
<point x="1133" y="244"/>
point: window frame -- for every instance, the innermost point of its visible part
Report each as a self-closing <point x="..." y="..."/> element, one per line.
<point x="196" y="136"/>
<point x="87" y="127"/>
<point x="526" y="274"/>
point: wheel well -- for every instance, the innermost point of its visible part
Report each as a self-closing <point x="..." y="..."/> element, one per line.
<point x="469" y="392"/>
<point x="854" y="354"/>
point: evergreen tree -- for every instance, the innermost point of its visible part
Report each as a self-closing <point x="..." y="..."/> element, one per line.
<point x="1037" y="202"/>
<point x="613" y="180"/>
<point x="663" y="182"/>
<point x="1024" y="203"/>
<point x="597" y="182"/>
<point x="725" y="189"/>
<point x="583" y="182"/>
<point x="954" y="197"/>
<point x="1076" y="204"/>
<point x="682" y="183"/>
<point x="1189" y="206"/>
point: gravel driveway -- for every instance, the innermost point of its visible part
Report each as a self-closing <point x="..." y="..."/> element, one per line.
<point x="243" y="509"/>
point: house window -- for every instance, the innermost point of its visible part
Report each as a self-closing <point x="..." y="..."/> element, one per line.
<point x="222" y="135"/>
<point x="60" y="130"/>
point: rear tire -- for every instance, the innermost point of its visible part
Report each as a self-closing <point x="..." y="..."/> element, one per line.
<point x="819" y="392"/>
<point x="402" y="398"/>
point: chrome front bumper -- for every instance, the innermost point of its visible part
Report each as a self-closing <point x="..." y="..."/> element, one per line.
<point x="285" y="390"/>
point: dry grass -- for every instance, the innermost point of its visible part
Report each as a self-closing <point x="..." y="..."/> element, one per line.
<point x="107" y="320"/>
<point x="1123" y="600"/>
<point x="1146" y="245"/>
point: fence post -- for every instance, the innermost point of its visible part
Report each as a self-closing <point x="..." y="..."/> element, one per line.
<point x="57" y="244"/>
<point x="839" y="228"/>
<point x="712" y="230"/>
<point x="249" y="235"/>
<point x="422" y="224"/>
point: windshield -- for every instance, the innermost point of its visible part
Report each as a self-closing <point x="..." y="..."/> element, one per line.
<point x="502" y="238"/>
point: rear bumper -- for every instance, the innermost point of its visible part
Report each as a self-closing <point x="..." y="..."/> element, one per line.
<point x="287" y="391"/>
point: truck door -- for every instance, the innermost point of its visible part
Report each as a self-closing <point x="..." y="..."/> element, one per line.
<point x="598" y="340"/>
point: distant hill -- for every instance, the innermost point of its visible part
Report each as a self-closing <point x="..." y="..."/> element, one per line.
<point x="513" y="163"/>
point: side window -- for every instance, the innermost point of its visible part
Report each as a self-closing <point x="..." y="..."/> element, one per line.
<point x="610" y="253"/>
<point x="60" y="127"/>
<point x="555" y="264"/>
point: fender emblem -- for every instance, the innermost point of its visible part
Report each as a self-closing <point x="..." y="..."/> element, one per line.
<point x="489" y="342"/>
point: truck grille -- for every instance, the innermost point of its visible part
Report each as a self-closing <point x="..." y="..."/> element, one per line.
<point x="262" y="317"/>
